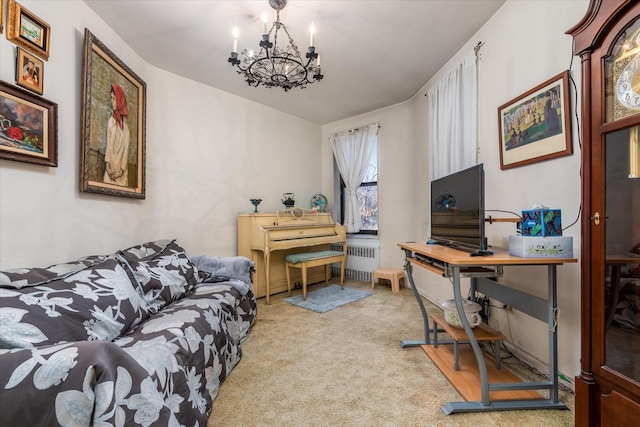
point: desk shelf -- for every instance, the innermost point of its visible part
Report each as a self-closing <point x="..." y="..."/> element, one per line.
<point x="467" y="381"/>
<point x="441" y="269"/>
<point x="482" y="332"/>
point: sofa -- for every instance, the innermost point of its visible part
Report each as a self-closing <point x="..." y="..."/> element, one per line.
<point x="144" y="336"/>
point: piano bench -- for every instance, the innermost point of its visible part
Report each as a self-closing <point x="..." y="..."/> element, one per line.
<point x="307" y="260"/>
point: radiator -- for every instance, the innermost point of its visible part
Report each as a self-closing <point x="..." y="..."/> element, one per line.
<point x="361" y="262"/>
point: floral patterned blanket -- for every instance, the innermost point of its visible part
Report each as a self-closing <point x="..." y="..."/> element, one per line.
<point x="133" y="338"/>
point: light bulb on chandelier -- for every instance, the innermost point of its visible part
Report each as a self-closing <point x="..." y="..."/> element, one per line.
<point x="274" y="66"/>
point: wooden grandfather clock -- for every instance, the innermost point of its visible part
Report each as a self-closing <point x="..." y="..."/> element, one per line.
<point x="608" y="42"/>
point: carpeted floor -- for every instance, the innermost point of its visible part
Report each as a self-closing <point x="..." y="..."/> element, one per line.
<point x="346" y="368"/>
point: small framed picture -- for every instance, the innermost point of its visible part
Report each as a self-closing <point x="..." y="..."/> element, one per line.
<point x="29" y="71"/>
<point x="28" y="127"/>
<point x="535" y="126"/>
<point x="27" y="30"/>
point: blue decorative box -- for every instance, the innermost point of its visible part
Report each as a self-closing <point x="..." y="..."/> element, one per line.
<point x="542" y="222"/>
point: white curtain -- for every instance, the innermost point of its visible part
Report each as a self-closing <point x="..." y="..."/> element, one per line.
<point x="453" y="119"/>
<point x="352" y="150"/>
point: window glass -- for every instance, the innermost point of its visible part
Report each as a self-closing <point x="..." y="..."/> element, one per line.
<point x="368" y="198"/>
<point x="367" y="195"/>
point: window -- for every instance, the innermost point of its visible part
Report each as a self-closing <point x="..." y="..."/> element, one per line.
<point x="356" y="159"/>
<point x="367" y="196"/>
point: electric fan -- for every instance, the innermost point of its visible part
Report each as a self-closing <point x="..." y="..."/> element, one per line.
<point x="319" y="202"/>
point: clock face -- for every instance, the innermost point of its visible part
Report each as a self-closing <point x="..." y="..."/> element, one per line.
<point x="623" y="71"/>
<point x="628" y="84"/>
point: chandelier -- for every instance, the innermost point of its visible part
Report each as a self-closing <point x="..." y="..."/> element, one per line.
<point x="275" y="65"/>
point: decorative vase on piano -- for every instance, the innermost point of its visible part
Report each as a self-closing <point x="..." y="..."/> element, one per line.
<point x="288" y="200"/>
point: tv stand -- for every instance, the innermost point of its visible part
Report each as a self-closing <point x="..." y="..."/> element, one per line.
<point x="472" y="252"/>
<point x="481" y="253"/>
<point x="483" y="271"/>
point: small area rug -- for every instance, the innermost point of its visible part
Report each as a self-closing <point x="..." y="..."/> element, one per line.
<point x="326" y="299"/>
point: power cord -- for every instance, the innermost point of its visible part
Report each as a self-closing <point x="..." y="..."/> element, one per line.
<point x="485" y="305"/>
<point x="575" y="111"/>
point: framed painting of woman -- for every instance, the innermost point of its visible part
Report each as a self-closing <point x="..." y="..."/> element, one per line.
<point x="113" y="140"/>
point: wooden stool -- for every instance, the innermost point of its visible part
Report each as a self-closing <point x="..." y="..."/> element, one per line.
<point x="307" y="260"/>
<point x="389" y="274"/>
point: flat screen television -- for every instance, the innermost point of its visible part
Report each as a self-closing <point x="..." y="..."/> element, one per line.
<point x="457" y="211"/>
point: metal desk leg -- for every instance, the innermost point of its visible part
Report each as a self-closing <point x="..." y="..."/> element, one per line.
<point x="482" y="367"/>
<point x="453" y="407"/>
<point x="553" y="333"/>
<point x="456" y="356"/>
<point x="425" y="317"/>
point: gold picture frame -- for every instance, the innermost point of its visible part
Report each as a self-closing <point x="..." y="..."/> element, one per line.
<point x="535" y="126"/>
<point x="28" y="127"/>
<point x="29" y="71"/>
<point x="113" y="139"/>
<point x="27" y="30"/>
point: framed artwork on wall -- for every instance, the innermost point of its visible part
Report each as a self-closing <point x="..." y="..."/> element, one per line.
<point x="535" y="126"/>
<point x="113" y="138"/>
<point x="29" y="71"/>
<point x="27" y="30"/>
<point x="28" y="127"/>
<point x="1" y="15"/>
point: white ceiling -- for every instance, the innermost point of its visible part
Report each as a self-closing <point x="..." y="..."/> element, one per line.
<point x="374" y="53"/>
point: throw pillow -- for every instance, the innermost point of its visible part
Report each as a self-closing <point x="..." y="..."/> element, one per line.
<point x="146" y="250"/>
<point x="165" y="276"/>
<point x="22" y="277"/>
<point x="96" y="303"/>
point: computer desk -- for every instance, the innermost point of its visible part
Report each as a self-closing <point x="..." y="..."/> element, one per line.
<point x="483" y="270"/>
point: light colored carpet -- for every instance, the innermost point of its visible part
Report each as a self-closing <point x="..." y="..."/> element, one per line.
<point x="346" y="368"/>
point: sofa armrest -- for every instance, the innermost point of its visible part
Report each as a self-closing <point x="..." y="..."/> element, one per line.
<point x="221" y="268"/>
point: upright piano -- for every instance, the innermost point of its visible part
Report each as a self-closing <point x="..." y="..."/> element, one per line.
<point x="266" y="238"/>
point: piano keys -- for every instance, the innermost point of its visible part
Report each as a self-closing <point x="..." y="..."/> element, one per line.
<point x="266" y="238"/>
